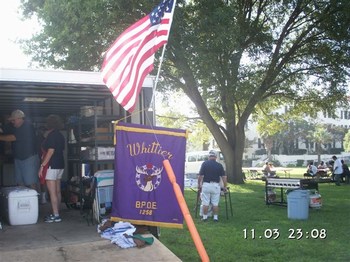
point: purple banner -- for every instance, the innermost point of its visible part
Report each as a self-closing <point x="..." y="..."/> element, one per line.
<point x="143" y="194"/>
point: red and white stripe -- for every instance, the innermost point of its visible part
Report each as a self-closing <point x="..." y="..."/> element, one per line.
<point x="130" y="59"/>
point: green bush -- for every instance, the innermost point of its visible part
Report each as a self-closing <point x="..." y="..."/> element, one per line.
<point x="260" y="151"/>
<point x="335" y="151"/>
<point x="300" y="162"/>
<point x="247" y="163"/>
<point x="276" y="163"/>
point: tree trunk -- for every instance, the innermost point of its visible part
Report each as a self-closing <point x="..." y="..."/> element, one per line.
<point x="268" y="146"/>
<point x="237" y="175"/>
<point x="318" y="153"/>
<point x="233" y="153"/>
<point x="230" y="139"/>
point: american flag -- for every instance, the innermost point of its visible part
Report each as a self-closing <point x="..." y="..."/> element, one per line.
<point x="129" y="60"/>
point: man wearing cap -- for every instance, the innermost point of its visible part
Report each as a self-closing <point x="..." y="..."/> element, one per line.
<point x="24" y="148"/>
<point x="209" y="183"/>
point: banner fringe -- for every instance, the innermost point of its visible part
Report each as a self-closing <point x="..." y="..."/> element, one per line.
<point x="147" y="223"/>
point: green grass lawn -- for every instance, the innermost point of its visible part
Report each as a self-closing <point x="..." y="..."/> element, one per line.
<point x="326" y="232"/>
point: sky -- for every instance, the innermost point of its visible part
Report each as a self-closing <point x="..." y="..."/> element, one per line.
<point x="11" y="55"/>
<point x="12" y="29"/>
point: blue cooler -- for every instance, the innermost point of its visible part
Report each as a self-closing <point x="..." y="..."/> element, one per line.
<point x="104" y="193"/>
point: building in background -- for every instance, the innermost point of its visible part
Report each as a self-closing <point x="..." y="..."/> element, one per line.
<point x="338" y="124"/>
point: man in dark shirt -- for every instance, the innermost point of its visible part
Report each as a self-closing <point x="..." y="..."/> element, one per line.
<point x="346" y="172"/>
<point x="24" y="148"/>
<point x="209" y="178"/>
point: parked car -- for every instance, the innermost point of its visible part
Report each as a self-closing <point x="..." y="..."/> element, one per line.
<point x="195" y="159"/>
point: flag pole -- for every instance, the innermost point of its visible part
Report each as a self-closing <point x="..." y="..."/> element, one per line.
<point x="161" y="59"/>
<point x="157" y="77"/>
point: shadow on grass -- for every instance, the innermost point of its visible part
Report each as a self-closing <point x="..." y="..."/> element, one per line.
<point x="258" y="232"/>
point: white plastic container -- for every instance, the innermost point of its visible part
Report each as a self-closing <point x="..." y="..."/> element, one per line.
<point x="271" y="196"/>
<point x="315" y="200"/>
<point x="19" y="205"/>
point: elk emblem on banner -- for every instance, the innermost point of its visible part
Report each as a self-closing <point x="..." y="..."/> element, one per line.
<point x="145" y="177"/>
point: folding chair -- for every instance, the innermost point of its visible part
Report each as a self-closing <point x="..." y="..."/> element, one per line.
<point x="87" y="195"/>
<point x="229" y="200"/>
<point x="197" y="201"/>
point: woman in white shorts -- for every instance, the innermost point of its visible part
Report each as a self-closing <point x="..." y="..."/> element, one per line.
<point x="53" y="162"/>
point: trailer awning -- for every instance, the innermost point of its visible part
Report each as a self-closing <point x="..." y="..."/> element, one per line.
<point x="43" y="92"/>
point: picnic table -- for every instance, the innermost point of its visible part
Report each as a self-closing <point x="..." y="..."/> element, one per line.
<point x="321" y="173"/>
<point x="285" y="170"/>
<point x="257" y="172"/>
<point x="253" y="172"/>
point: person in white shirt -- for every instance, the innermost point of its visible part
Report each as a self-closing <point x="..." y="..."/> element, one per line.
<point x="268" y="170"/>
<point x="322" y="165"/>
<point x="322" y="170"/>
<point x="337" y="170"/>
<point x="311" y="170"/>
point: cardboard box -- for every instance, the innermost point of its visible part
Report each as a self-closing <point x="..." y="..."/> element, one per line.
<point x="103" y="153"/>
<point x="101" y="134"/>
<point x="19" y="205"/>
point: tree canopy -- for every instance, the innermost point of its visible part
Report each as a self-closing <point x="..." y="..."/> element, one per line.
<point x="229" y="57"/>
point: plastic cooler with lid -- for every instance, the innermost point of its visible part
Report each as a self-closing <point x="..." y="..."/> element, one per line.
<point x="19" y="205"/>
<point x="104" y="180"/>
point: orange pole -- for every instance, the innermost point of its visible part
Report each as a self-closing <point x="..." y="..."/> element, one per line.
<point x="186" y="213"/>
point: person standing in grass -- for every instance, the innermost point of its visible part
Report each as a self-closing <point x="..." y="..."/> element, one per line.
<point x="209" y="183"/>
<point x="337" y="170"/>
<point x="53" y="164"/>
<point x="346" y="172"/>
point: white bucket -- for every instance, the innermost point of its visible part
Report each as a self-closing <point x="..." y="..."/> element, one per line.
<point x="315" y="200"/>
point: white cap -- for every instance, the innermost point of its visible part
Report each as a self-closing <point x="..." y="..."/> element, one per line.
<point x="17" y="114"/>
<point x="212" y="153"/>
